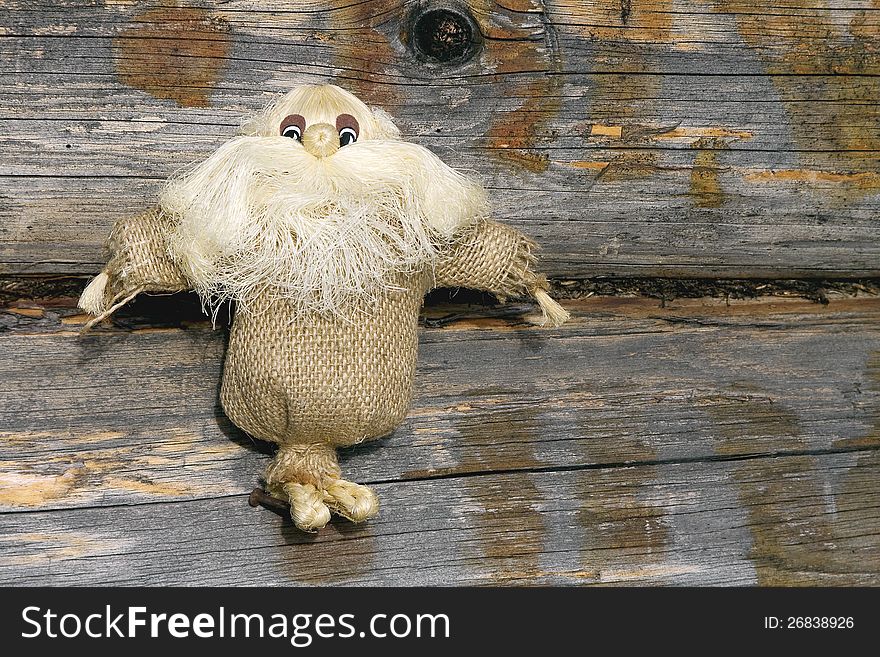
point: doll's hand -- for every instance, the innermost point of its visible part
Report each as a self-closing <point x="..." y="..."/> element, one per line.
<point x="104" y="295"/>
<point x="93" y="300"/>
<point x="139" y="262"/>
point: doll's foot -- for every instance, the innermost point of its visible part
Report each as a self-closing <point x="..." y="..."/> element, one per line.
<point x="307" y="508"/>
<point x="310" y="506"/>
<point x="308" y="476"/>
<point x="351" y="500"/>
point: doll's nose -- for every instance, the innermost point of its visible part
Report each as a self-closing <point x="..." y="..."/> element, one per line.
<point x="321" y="139"/>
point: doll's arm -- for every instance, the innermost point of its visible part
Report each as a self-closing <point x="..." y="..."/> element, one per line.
<point x="496" y="258"/>
<point x="139" y="262"/>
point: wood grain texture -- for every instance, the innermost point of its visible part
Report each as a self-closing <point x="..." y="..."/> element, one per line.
<point x="667" y="524"/>
<point x="697" y="443"/>
<point x="716" y="139"/>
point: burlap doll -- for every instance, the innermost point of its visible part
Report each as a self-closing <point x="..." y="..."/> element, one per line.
<point x="326" y="230"/>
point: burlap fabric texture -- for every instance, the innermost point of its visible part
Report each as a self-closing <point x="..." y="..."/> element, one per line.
<point x="317" y="383"/>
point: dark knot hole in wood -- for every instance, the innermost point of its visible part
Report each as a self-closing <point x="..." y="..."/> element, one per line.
<point x="444" y="33"/>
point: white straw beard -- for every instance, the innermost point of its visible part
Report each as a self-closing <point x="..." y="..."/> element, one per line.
<point x="263" y="216"/>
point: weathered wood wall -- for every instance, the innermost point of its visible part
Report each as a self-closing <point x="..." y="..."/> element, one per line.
<point x="647" y="137"/>
<point x="694" y="444"/>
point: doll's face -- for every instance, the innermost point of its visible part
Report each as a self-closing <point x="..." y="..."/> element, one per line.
<point x="319" y="202"/>
<point x="312" y="113"/>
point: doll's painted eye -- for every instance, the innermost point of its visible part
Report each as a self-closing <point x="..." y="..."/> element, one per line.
<point x="292" y="131"/>
<point x="348" y="129"/>
<point x="347" y="136"/>
<point x="293" y="126"/>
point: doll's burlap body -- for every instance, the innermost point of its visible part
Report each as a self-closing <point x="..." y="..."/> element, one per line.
<point x="323" y="380"/>
<point x="315" y="383"/>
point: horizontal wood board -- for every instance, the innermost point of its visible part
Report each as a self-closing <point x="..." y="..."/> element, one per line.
<point x="646" y="137"/>
<point x="697" y="443"/>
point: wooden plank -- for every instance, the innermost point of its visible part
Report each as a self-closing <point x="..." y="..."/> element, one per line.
<point x="130" y="415"/>
<point x="40" y="240"/>
<point x="788" y="520"/>
<point x="732" y="139"/>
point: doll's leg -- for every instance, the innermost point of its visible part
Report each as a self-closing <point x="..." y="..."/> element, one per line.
<point x="351" y="500"/>
<point x="308" y="475"/>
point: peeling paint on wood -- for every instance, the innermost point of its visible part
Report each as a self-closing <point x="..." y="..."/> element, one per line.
<point x="705" y="182"/>
<point x="513" y="136"/>
<point x="864" y="180"/>
<point x="174" y="53"/>
<point x="802" y="42"/>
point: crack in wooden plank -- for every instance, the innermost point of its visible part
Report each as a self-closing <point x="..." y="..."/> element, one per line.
<point x="465" y="475"/>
